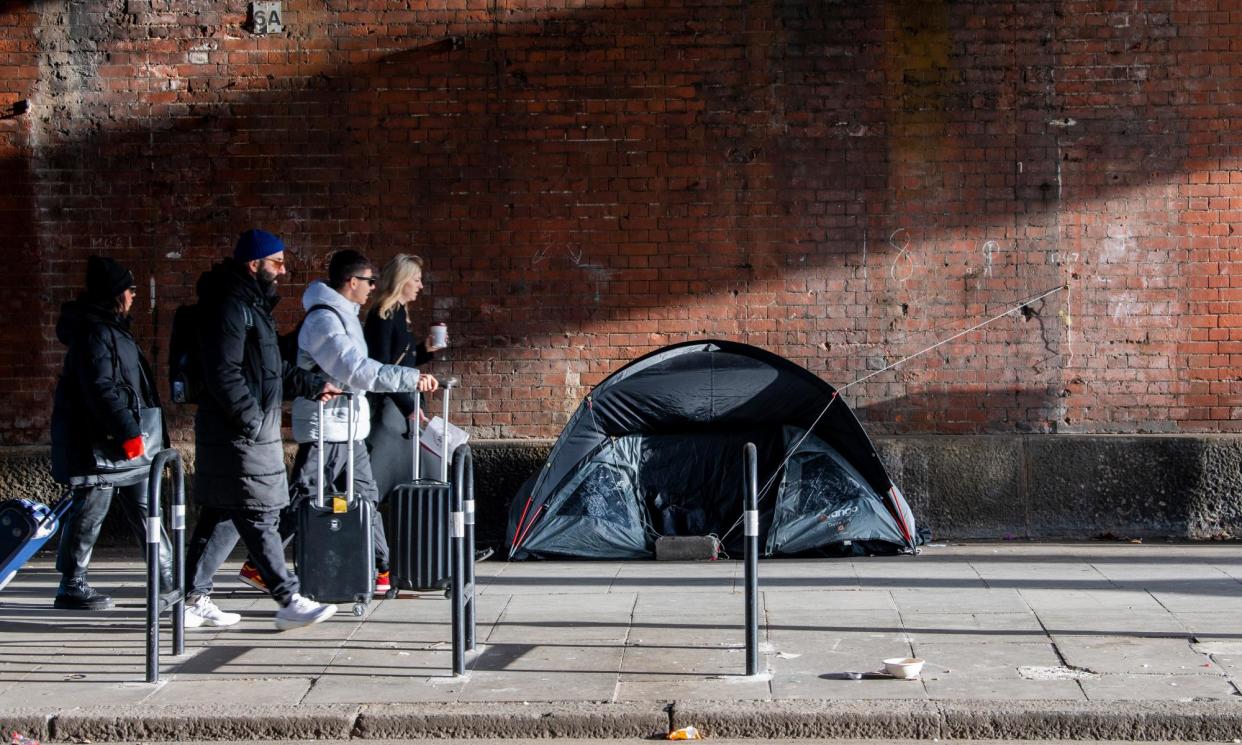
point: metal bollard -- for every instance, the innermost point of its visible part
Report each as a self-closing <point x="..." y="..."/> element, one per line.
<point x="155" y="482"/>
<point x="751" y="516"/>
<point x="463" y="588"/>
<point x="464" y="475"/>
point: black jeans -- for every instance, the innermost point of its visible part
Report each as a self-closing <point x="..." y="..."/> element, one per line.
<point x="218" y="530"/>
<point x="86" y="517"/>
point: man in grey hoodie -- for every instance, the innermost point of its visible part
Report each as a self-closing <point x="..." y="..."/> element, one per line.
<point x="331" y="341"/>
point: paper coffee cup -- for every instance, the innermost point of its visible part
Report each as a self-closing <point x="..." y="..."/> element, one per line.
<point x="439" y="335"/>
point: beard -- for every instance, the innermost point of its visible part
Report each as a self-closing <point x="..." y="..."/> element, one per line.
<point x="266" y="278"/>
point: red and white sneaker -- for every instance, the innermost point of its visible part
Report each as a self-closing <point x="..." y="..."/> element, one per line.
<point x="250" y="575"/>
<point x="382" y="583"/>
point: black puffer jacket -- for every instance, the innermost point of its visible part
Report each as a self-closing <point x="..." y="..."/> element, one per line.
<point x="104" y="381"/>
<point x="239" y="459"/>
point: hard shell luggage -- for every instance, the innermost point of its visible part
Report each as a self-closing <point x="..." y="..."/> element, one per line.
<point x="335" y="552"/>
<point x="25" y="525"/>
<point x="418" y="522"/>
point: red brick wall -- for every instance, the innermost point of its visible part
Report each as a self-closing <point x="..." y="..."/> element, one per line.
<point x="844" y="183"/>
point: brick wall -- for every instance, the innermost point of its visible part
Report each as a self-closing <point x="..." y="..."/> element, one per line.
<point x="844" y="183"/>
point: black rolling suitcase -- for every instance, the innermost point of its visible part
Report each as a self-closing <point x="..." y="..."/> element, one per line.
<point x="418" y="522"/>
<point x="335" y="550"/>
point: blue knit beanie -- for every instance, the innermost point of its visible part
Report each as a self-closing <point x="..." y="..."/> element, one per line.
<point x="255" y="244"/>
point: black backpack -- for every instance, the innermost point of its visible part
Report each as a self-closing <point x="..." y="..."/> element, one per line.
<point x="289" y="342"/>
<point x="185" y="371"/>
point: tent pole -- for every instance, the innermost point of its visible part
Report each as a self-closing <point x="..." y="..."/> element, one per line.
<point x="751" y="516"/>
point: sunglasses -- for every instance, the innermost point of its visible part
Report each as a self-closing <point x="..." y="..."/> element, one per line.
<point x="368" y="280"/>
<point x="277" y="262"/>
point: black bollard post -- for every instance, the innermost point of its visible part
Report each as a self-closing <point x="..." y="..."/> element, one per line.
<point x="153" y="570"/>
<point x="751" y="517"/>
<point x="457" y="541"/>
<point x="154" y="526"/>
<point x="466" y="479"/>
<point x="178" y="546"/>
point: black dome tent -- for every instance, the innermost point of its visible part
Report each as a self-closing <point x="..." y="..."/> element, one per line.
<point x="656" y="449"/>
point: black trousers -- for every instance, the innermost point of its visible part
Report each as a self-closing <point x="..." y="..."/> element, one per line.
<point x="86" y="517"/>
<point x="218" y="530"/>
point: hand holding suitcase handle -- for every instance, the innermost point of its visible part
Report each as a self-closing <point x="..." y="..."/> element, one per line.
<point x="349" y="465"/>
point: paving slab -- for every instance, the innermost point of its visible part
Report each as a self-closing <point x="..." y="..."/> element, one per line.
<point x="1140" y="656"/>
<point x="80" y="693"/>
<point x="982" y="661"/>
<point x="1117" y="622"/>
<point x="238" y="692"/>
<point x="830" y="602"/>
<point x="1211" y="625"/>
<point x="833" y="684"/>
<point x="1159" y="688"/>
<point x="980" y="688"/>
<point x="953" y="601"/>
<point x="980" y="628"/>
<point x="538" y="686"/>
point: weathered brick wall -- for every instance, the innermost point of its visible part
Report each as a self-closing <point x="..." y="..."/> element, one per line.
<point x="841" y="182"/>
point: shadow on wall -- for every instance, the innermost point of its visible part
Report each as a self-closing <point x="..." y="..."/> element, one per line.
<point x="587" y="185"/>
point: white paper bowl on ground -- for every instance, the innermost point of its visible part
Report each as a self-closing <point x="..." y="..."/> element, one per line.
<point x="904" y="668"/>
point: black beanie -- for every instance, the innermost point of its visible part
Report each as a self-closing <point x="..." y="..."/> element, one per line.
<point x="105" y="279"/>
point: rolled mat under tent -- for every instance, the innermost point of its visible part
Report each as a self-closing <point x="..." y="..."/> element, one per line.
<point x="656" y="449"/>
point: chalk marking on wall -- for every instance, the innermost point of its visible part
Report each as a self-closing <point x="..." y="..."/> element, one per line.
<point x="1064" y="313"/>
<point x="575" y="256"/>
<point x="989" y="248"/>
<point x="864" y="260"/>
<point x="539" y="256"/>
<point x="902" y="251"/>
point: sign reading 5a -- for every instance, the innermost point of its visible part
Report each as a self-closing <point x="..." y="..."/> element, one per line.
<point x="265" y="18"/>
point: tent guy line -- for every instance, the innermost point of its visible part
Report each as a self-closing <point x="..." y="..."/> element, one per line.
<point x="942" y="342"/>
<point x="789" y="454"/>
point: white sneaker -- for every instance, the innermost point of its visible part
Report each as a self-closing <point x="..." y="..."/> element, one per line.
<point x="302" y="612"/>
<point x="200" y="611"/>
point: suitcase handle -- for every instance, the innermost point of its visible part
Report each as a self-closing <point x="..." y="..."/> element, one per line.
<point x="417" y="471"/>
<point x="349" y="464"/>
<point x="448" y="387"/>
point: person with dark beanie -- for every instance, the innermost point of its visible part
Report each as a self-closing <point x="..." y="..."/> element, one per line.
<point x="240" y="484"/>
<point x="104" y="383"/>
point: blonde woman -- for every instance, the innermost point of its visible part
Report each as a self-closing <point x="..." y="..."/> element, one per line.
<point x="391" y="341"/>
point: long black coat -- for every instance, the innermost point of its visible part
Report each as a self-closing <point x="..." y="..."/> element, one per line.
<point x="104" y="380"/>
<point x="239" y="458"/>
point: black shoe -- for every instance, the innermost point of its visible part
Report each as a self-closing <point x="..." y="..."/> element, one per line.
<point x="75" y="594"/>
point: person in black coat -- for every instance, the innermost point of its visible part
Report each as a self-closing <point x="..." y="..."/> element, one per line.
<point x="390" y="341"/>
<point x="240" y="482"/>
<point x="104" y="383"/>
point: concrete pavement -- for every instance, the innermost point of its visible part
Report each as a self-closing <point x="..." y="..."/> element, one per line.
<point x="1091" y="640"/>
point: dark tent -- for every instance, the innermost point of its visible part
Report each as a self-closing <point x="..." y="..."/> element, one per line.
<point x="656" y="449"/>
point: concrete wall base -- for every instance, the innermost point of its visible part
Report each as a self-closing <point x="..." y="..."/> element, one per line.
<point x="964" y="487"/>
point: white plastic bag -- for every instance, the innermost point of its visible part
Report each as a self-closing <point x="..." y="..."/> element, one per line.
<point x="433" y="437"/>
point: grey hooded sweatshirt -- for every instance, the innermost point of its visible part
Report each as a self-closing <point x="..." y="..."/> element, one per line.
<point x="340" y="351"/>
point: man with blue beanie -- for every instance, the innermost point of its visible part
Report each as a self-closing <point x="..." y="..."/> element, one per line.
<point x="239" y="482"/>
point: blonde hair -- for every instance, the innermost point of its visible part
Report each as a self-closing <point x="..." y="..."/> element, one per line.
<point x="395" y="274"/>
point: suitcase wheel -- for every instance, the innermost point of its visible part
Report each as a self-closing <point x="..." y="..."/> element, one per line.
<point x="392" y="592"/>
<point x="360" y="608"/>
